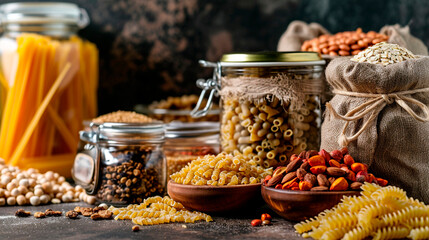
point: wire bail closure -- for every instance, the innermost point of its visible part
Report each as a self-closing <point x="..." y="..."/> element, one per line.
<point x="211" y="84"/>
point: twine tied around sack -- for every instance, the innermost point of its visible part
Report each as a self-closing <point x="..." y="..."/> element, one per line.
<point x="373" y="106"/>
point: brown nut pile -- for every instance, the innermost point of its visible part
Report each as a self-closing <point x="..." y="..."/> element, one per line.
<point x="96" y="213"/>
<point x="130" y="180"/>
<point x="322" y="171"/>
<point x="47" y="213"/>
<point x="344" y="43"/>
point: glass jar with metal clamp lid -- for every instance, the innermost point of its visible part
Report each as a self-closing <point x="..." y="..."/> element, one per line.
<point x="121" y="163"/>
<point x="270" y="103"/>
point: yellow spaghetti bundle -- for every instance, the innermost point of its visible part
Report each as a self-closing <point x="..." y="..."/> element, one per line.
<point x="49" y="88"/>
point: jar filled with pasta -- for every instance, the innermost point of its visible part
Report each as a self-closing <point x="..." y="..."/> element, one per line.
<point x="121" y="163"/>
<point x="188" y="141"/>
<point x="270" y="103"/>
<point x="48" y="84"/>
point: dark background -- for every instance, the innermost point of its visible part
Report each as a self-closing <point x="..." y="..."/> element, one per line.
<point x="149" y="49"/>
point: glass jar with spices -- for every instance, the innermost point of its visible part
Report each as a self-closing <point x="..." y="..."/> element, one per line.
<point x="121" y="163"/>
<point x="188" y="141"/>
<point x="271" y="103"/>
<point x="48" y="84"/>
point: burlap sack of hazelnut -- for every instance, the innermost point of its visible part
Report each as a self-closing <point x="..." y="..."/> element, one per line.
<point x="297" y="36"/>
<point x="380" y="111"/>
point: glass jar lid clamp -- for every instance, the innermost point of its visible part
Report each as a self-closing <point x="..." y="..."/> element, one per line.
<point x="211" y="84"/>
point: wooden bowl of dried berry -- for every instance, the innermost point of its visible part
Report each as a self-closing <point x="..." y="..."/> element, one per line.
<point x="314" y="181"/>
<point x="216" y="199"/>
<point x="298" y="205"/>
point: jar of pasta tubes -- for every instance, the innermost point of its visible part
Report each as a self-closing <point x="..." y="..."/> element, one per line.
<point x="48" y="83"/>
<point x="188" y="141"/>
<point x="270" y="103"/>
<point x="121" y="163"/>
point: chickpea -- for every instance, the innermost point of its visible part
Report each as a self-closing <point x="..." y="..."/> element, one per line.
<point x="55" y="188"/>
<point x="38" y="192"/>
<point x="21" y="200"/>
<point x="67" y="198"/>
<point x="44" y="199"/>
<point x="1" y="192"/>
<point x="91" y="200"/>
<point x="23" y="189"/>
<point x="20" y="176"/>
<point x="103" y="205"/>
<point x="15" y="181"/>
<point x="59" y="195"/>
<point x="2" y="201"/>
<point x="28" y="195"/>
<point x="32" y="182"/>
<point x="11" y="186"/>
<point x="81" y="196"/>
<point x="61" y="179"/>
<point x="24" y="182"/>
<point x="11" y="201"/>
<point x="5" y="179"/>
<point x="47" y="187"/>
<point x="56" y="175"/>
<point x="35" y="200"/>
<point x="15" y="192"/>
<point x="49" y="175"/>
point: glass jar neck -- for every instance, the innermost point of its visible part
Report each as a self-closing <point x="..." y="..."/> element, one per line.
<point x="55" y="30"/>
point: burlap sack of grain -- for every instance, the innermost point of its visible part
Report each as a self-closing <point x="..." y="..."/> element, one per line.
<point x="403" y="38"/>
<point x="296" y="33"/>
<point x="392" y="120"/>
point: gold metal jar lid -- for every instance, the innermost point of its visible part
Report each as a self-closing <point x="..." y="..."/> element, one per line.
<point x="271" y="59"/>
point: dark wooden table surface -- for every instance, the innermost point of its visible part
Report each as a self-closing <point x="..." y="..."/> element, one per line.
<point x="234" y="226"/>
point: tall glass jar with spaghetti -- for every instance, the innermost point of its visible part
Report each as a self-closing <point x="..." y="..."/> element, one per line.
<point x="49" y="78"/>
<point x="271" y="103"/>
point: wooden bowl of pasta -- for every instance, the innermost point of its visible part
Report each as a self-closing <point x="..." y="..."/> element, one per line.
<point x="216" y="199"/>
<point x="301" y="205"/>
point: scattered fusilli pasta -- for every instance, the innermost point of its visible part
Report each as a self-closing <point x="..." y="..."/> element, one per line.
<point x="380" y="212"/>
<point x="158" y="210"/>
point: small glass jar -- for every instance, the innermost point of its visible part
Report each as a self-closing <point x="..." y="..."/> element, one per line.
<point x="270" y="102"/>
<point x="188" y="141"/>
<point x="121" y="163"/>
